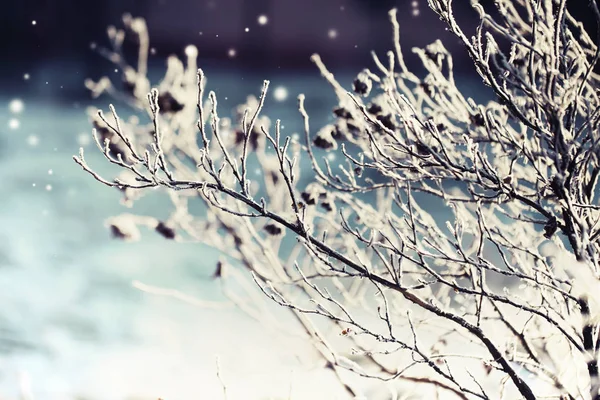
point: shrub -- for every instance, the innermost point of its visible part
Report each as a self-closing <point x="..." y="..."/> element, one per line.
<point x="504" y="297"/>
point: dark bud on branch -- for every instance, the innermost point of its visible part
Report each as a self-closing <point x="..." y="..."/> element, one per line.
<point x="362" y="85"/>
<point x="328" y="206"/>
<point x="309" y="198"/>
<point x="337" y="133"/>
<point x="124" y="228"/>
<point x="477" y="120"/>
<point x="487" y="368"/>
<point x="374" y="109"/>
<point x="166" y="231"/>
<point x="422" y="149"/>
<point x="273" y="230"/>
<point x="313" y="193"/>
<point x="219" y="270"/>
<point x="168" y="103"/>
<point x="324" y="139"/>
<point x="551" y="227"/>
<point x="342" y="112"/>
<point x="327" y="202"/>
<point x="118" y="233"/>
<point x="256" y="140"/>
<point x="387" y="121"/>
<point x="427" y="88"/>
<point x="324" y="143"/>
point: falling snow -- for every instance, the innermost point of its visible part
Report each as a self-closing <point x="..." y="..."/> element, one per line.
<point x="280" y="93"/>
<point x="231" y="53"/>
<point x="415" y="11"/>
<point x="332" y="34"/>
<point x="262" y="19"/>
<point x="16" y="106"/>
<point x="14" y="123"/>
<point x="33" y="140"/>
<point x="83" y="139"/>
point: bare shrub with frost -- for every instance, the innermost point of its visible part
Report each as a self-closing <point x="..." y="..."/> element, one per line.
<point x="500" y="301"/>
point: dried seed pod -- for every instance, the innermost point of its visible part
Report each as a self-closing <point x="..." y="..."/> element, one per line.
<point x="273" y="229"/>
<point x="337" y="133"/>
<point x="168" y="103"/>
<point x="165" y="230"/>
<point x="275" y="177"/>
<point x="387" y="121"/>
<point x="309" y="198"/>
<point x="220" y="270"/>
<point x="123" y="227"/>
<point x="313" y="193"/>
<point x="551" y="227"/>
<point x="374" y="108"/>
<point x="477" y="119"/>
<point x="324" y="139"/>
<point x="487" y="368"/>
<point x="117" y="233"/>
<point x="257" y="138"/>
<point x="327" y="202"/>
<point x="422" y="149"/>
<point x="362" y="85"/>
<point x="352" y="128"/>
<point x="427" y="88"/>
<point x="329" y="206"/>
<point x="342" y="112"/>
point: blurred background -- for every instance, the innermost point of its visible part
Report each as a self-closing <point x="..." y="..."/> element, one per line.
<point x="71" y="324"/>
